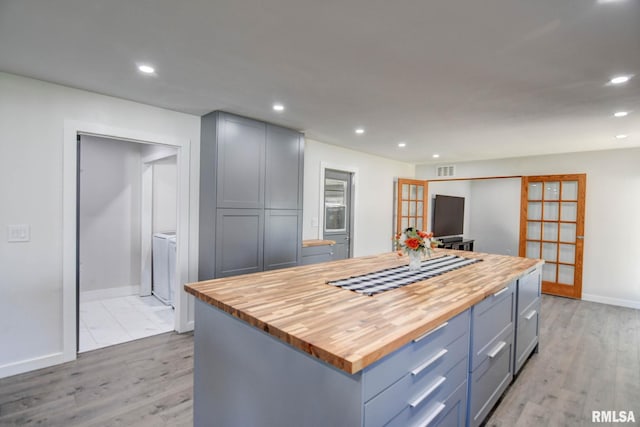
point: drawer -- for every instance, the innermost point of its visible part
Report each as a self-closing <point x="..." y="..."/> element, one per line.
<point x="492" y="317"/>
<point x="396" y="365"/>
<point x="454" y="413"/>
<point x="440" y="372"/>
<point x="528" y="290"/>
<point x="490" y="380"/>
<point x="526" y="334"/>
<point x="317" y="254"/>
<point x="432" y="410"/>
<point x="317" y="250"/>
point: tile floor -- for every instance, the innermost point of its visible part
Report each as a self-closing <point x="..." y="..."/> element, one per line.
<point x="106" y="322"/>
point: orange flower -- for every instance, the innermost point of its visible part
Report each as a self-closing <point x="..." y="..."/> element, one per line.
<point x="412" y="243"/>
<point x="399" y="253"/>
<point x="423" y="234"/>
<point x="429" y="235"/>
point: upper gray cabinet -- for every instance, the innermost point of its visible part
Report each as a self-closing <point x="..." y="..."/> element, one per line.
<point x="240" y="162"/>
<point x="251" y="176"/>
<point x="283" y="180"/>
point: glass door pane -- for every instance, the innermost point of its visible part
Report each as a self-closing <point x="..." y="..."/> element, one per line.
<point x="411" y="204"/>
<point x="553" y="222"/>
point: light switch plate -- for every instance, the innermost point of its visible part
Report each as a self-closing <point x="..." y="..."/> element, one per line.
<point x="18" y="233"/>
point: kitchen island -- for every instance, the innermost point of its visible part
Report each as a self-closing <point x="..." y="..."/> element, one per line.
<point x="283" y="347"/>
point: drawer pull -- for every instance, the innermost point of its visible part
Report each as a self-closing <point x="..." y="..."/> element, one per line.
<point x="429" y="362"/>
<point x="432" y="416"/>
<point x="530" y="315"/>
<point x="417" y="401"/>
<point x="430" y="332"/>
<point x="500" y="292"/>
<point x="497" y="349"/>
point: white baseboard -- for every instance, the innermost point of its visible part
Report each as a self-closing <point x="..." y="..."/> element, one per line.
<point x="31" y="364"/>
<point x="120" y="291"/>
<point x="611" y="301"/>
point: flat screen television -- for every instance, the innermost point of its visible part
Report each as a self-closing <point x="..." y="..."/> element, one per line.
<point x="448" y="215"/>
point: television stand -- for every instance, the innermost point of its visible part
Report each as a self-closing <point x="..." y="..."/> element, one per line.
<point x="451" y="239"/>
<point x="460" y="244"/>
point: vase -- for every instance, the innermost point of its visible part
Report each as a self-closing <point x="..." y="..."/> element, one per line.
<point x="415" y="261"/>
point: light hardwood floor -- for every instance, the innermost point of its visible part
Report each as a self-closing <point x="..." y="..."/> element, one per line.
<point x="148" y="382"/>
<point x="589" y="359"/>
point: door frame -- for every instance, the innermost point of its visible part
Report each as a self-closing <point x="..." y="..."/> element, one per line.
<point x="353" y="201"/>
<point x="548" y="287"/>
<point x="72" y="129"/>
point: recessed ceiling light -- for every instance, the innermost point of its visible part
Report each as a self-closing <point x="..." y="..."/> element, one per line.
<point x="359" y="131"/>
<point x="435" y="156"/>
<point x="621" y="113"/>
<point x="147" y="69"/>
<point x="278" y="107"/>
<point x="621" y="136"/>
<point x="619" y="80"/>
<point x="402" y="144"/>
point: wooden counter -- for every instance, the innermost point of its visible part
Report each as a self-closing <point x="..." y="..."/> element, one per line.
<point x="348" y="330"/>
<point x="317" y="242"/>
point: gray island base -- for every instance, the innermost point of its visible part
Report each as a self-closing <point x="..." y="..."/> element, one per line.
<point x="245" y="377"/>
<point x="452" y="375"/>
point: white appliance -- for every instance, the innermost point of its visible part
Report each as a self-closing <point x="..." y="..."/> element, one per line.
<point x="162" y="271"/>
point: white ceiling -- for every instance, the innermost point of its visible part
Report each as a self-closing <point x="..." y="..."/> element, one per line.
<point x="465" y="79"/>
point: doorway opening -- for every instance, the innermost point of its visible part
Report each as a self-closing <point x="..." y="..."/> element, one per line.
<point x="338" y="212"/>
<point x="126" y="226"/>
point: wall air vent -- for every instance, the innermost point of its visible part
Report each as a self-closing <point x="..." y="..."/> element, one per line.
<point x="445" y="171"/>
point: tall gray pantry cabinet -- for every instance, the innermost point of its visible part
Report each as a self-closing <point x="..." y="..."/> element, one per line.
<point x="250" y="196"/>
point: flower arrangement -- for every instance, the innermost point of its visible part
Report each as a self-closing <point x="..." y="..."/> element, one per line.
<point x="414" y="241"/>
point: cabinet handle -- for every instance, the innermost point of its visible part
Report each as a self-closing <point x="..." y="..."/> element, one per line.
<point x="500" y="292"/>
<point x="430" y="332"/>
<point x="496" y="350"/>
<point x="417" y="401"/>
<point x="432" y="416"/>
<point x="532" y="271"/>
<point x="429" y="362"/>
<point x="530" y="315"/>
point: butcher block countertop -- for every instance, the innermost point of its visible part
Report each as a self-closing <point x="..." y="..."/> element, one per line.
<point x="343" y="328"/>
<point x="310" y="243"/>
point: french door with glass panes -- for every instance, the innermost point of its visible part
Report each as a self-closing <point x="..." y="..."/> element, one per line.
<point x="412" y="204"/>
<point x="552" y="228"/>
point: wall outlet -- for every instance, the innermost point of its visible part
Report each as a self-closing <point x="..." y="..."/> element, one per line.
<point x="18" y="233"/>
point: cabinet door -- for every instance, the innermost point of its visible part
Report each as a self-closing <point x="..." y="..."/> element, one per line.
<point x="239" y="241"/>
<point x="283" y="184"/>
<point x="283" y="238"/>
<point x="240" y="162"/>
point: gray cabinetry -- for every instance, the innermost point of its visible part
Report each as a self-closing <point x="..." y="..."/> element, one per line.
<point x="420" y="383"/>
<point x="240" y="162"/>
<point x="283" y="233"/>
<point x="250" y="196"/>
<point x="316" y="254"/>
<point x="492" y="346"/>
<point x="239" y="241"/>
<point x="283" y="186"/>
<point x="527" y="319"/>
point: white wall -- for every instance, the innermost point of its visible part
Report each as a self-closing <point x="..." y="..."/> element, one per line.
<point x="495" y="217"/>
<point x="32" y="126"/>
<point x="374" y="208"/>
<point x="110" y="197"/>
<point x="611" y="271"/>
<point x="164" y="194"/>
